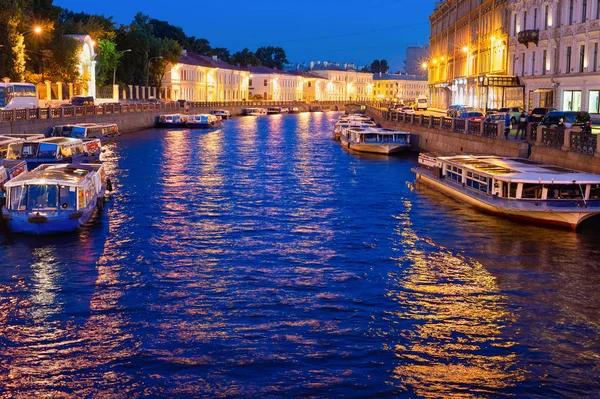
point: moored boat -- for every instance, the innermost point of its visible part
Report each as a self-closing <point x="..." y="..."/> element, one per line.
<point x="255" y="111"/>
<point x="223" y="113"/>
<point x="9" y="169"/>
<point x="86" y="130"/>
<point x="172" y="120"/>
<point x="54" y="198"/>
<point x="7" y="139"/>
<point x="204" y="121"/>
<point x="346" y="122"/>
<point x="514" y="187"/>
<point x="294" y="110"/>
<point x="273" y="110"/>
<point x="375" y="140"/>
<point x="55" y="150"/>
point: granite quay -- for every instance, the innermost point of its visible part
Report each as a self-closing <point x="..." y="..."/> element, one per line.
<point x="568" y="148"/>
<point x="135" y="116"/>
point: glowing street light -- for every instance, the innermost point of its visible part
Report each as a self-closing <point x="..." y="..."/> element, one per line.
<point x="424" y="65"/>
<point x="465" y="49"/>
<point x="37" y="30"/>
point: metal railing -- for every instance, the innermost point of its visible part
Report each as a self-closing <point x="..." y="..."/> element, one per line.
<point x="459" y="125"/>
<point x="490" y="130"/>
<point x="553" y="137"/>
<point x="583" y="143"/>
<point x="446" y="124"/>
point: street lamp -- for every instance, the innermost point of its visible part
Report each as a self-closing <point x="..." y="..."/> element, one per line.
<point x="37" y="30"/>
<point x="148" y="72"/>
<point x="115" y="69"/>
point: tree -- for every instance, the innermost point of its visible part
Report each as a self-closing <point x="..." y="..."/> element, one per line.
<point x="376" y="66"/>
<point x="221" y="53"/>
<point x="62" y="64"/>
<point x="200" y="46"/>
<point x="383" y="66"/>
<point x="272" y="57"/>
<point x="245" y="57"/>
<point x="170" y="51"/>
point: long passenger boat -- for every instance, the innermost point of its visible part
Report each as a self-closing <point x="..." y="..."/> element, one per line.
<point x="204" y="121"/>
<point x="172" y="120"/>
<point x="375" y="140"/>
<point x="514" y="187"/>
<point x="351" y="121"/>
<point x="55" y="150"/>
<point x="86" y="130"/>
<point x="54" y="198"/>
<point x="9" y="169"/>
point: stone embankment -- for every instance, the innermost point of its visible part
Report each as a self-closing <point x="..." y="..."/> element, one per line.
<point x="562" y="147"/>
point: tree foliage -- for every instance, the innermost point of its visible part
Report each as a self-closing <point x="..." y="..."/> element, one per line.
<point x="245" y="57"/>
<point x="272" y="57"/>
<point x="379" y="66"/>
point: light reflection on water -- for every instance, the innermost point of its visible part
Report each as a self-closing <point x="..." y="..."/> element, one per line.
<point x="263" y="260"/>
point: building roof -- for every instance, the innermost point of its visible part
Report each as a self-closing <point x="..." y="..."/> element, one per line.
<point x="399" y="77"/>
<point x="189" y="58"/>
<point x="306" y="74"/>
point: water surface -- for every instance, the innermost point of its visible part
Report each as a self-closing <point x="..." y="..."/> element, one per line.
<point x="263" y="260"/>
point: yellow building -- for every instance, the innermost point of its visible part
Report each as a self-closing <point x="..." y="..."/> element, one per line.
<point x="344" y="85"/>
<point x="314" y="87"/>
<point x="399" y="88"/>
<point x="202" y="78"/>
<point x="468" y="55"/>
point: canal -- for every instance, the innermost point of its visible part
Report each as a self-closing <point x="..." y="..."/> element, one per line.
<point x="263" y="260"/>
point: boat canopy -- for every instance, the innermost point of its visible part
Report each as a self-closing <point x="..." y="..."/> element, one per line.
<point x="50" y="174"/>
<point x="520" y="170"/>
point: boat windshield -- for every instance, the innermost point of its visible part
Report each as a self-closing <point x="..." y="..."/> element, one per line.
<point x="68" y="198"/>
<point x="47" y="150"/>
<point x="2" y="98"/>
<point x="34" y="198"/>
<point x="78" y="131"/>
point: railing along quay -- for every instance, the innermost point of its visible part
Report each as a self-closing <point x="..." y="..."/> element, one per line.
<point x="557" y="138"/>
<point x="107" y="109"/>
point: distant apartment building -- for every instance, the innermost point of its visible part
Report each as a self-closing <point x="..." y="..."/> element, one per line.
<point x="468" y="55"/>
<point x="399" y="87"/>
<point x="274" y="85"/>
<point x="314" y="87"/>
<point x="415" y="57"/>
<point x="344" y="84"/>
<point x="202" y="78"/>
<point x="553" y="49"/>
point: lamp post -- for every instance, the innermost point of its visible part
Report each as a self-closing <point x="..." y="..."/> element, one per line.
<point x="148" y="72"/>
<point x="115" y="68"/>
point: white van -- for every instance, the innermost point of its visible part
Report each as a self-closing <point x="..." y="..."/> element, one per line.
<point x="421" y="102"/>
<point x="18" y="95"/>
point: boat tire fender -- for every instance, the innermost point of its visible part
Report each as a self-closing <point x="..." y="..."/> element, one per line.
<point x="109" y="186"/>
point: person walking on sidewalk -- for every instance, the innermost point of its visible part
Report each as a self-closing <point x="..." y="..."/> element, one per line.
<point x="507" y="125"/>
<point x="522" y="126"/>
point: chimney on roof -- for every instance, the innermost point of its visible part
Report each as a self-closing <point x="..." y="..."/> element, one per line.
<point x="214" y="57"/>
<point x="184" y="52"/>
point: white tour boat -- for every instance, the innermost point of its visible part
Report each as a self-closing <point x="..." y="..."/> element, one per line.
<point x="273" y="110"/>
<point x="345" y="122"/>
<point x="86" y="130"/>
<point x="514" y="187"/>
<point x="55" y="150"/>
<point x="54" y="198"/>
<point x="256" y="111"/>
<point x="375" y="140"/>
<point x="172" y="120"/>
<point x="223" y="113"/>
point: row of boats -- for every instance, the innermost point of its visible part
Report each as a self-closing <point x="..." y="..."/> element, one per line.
<point x="511" y="187"/>
<point x="258" y="111"/>
<point x="53" y="184"/>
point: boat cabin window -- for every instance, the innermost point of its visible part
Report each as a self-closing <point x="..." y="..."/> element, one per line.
<point x="478" y="182"/>
<point x="41" y="197"/>
<point x="532" y="191"/>
<point x="595" y="191"/>
<point x="68" y="198"/>
<point x="454" y="173"/>
<point x="46" y="150"/>
<point x="564" y="191"/>
<point x="18" y="198"/>
<point x="78" y="132"/>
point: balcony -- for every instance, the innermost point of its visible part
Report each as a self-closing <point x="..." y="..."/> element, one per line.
<point x="529" y="36"/>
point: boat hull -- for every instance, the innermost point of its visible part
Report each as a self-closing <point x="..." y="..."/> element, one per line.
<point x="214" y="125"/>
<point x="374" y="148"/>
<point x="63" y="222"/>
<point x="568" y="217"/>
<point x="171" y="125"/>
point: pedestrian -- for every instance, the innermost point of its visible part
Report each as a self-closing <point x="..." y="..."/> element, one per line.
<point x="507" y="125"/>
<point x="522" y="126"/>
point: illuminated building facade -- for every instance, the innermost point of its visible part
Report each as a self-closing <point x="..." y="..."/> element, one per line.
<point x="274" y="85"/>
<point x="553" y="48"/>
<point x="399" y="88"/>
<point x="202" y="78"/>
<point x="345" y="85"/>
<point x="468" y="56"/>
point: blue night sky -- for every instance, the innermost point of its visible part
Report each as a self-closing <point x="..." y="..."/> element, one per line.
<point x="308" y="30"/>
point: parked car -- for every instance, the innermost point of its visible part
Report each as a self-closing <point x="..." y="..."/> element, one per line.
<point x="537" y="114"/>
<point x="568" y="119"/>
<point x="454" y="111"/>
<point x="407" y="110"/>
<point x="80" y="101"/>
<point x="514" y="112"/>
<point x="472" y="116"/>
